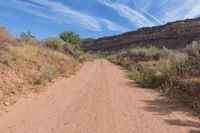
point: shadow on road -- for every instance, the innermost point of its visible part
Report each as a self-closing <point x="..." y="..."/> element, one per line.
<point x="163" y="106"/>
<point x="186" y="123"/>
<point x="134" y="84"/>
<point x="194" y="131"/>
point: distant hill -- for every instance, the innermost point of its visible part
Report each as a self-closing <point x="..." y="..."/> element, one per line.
<point x="171" y="35"/>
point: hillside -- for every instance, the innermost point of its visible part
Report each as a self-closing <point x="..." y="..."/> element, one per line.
<point x="27" y="64"/>
<point x="171" y="35"/>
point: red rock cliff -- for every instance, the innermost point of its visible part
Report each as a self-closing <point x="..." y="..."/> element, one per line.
<point x="171" y="35"/>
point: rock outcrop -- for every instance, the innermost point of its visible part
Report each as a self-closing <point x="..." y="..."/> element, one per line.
<point x="171" y="35"/>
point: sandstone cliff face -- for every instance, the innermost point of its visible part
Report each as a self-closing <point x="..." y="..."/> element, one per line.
<point x="172" y="35"/>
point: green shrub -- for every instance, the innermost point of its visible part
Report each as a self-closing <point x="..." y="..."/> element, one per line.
<point x="176" y="64"/>
<point x="163" y="69"/>
<point x="152" y="78"/>
<point x="71" y="38"/>
<point x="193" y="49"/>
<point x="154" y="67"/>
<point x="67" y="48"/>
<point x="146" y="54"/>
<point x="167" y="71"/>
<point x="113" y="58"/>
<point x="135" y="75"/>
<point x="70" y="49"/>
<point x="53" y="43"/>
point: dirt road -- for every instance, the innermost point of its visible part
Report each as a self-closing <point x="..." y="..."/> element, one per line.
<point x="98" y="99"/>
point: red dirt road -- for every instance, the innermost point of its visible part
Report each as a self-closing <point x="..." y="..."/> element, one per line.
<point x="98" y="99"/>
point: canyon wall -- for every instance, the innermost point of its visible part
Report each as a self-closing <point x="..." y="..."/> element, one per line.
<point x="171" y="35"/>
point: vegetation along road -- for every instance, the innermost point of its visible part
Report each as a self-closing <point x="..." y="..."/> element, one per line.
<point x="97" y="99"/>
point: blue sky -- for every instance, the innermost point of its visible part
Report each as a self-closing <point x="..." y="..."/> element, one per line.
<point x="91" y="18"/>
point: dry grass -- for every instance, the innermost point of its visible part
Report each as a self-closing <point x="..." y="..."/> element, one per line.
<point x="51" y="63"/>
<point x="163" y="69"/>
<point x="4" y="35"/>
<point x="26" y="64"/>
<point x="24" y="53"/>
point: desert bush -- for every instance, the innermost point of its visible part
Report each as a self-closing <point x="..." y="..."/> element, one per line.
<point x="27" y="38"/>
<point x="67" y="48"/>
<point x="149" y="78"/>
<point x="61" y="46"/>
<point x="27" y="35"/>
<point x="2" y="30"/>
<point x="177" y="62"/>
<point x="135" y="75"/>
<point x="49" y="73"/>
<point x="24" y="52"/>
<point x="194" y="66"/>
<point x="113" y="58"/>
<point x="193" y="49"/>
<point x="4" y="35"/>
<point x="163" y="69"/>
<point x="154" y="67"/>
<point x="53" y="43"/>
<point x="71" y="38"/>
<point x="149" y="53"/>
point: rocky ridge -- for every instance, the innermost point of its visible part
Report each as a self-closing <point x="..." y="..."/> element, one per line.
<point x="171" y="35"/>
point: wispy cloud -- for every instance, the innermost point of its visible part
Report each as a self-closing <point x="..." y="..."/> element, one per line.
<point x="113" y="26"/>
<point x="195" y="12"/>
<point x="145" y="4"/>
<point x="130" y="14"/>
<point x="152" y="16"/>
<point x="57" y="12"/>
<point x="168" y="10"/>
<point x="62" y="14"/>
<point x="121" y="15"/>
<point x="178" y="9"/>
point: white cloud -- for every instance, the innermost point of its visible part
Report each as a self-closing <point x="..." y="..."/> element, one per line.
<point x="178" y="9"/>
<point x="130" y="14"/>
<point x="113" y="26"/>
<point x="70" y="15"/>
<point x="152" y="12"/>
<point x="163" y="2"/>
<point x="140" y="13"/>
<point x="144" y="4"/>
<point x="62" y="14"/>
<point x="144" y="7"/>
<point x="195" y="12"/>
<point x="153" y="17"/>
<point x="57" y="12"/>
